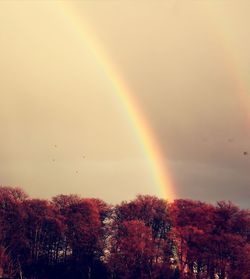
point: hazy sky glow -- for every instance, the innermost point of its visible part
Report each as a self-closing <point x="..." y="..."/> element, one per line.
<point x="64" y="131"/>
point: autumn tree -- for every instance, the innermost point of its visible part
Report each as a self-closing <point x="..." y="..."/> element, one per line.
<point x="133" y="251"/>
<point x="153" y="213"/>
<point x="83" y="235"/>
<point x="230" y="241"/>
<point x="11" y="227"/>
<point x="210" y="240"/>
<point x="192" y="220"/>
<point x="44" y="233"/>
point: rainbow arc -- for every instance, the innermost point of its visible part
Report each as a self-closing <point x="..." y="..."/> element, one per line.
<point x="143" y="131"/>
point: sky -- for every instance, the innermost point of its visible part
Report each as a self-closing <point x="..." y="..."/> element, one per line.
<point x="65" y="130"/>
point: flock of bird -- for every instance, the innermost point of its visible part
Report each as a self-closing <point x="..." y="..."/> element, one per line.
<point x="53" y="160"/>
<point x="244" y="153"/>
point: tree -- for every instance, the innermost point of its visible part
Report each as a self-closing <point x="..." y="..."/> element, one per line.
<point x="211" y="241"/>
<point x="133" y="251"/>
<point x="154" y="214"/>
<point x="11" y="227"/>
<point x="83" y="234"/>
<point x="44" y="232"/>
<point x="192" y="222"/>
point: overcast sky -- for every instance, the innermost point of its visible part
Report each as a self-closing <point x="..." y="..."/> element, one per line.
<point x="187" y="64"/>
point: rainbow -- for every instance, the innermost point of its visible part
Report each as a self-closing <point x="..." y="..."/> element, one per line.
<point x="140" y="125"/>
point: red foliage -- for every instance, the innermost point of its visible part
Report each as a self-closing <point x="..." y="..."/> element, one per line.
<point x="71" y="237"/>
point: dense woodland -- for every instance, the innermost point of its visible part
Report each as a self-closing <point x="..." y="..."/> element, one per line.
<point x="74" y="237"/>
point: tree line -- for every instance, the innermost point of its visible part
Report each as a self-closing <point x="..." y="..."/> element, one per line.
<point x="148" y="237"/>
